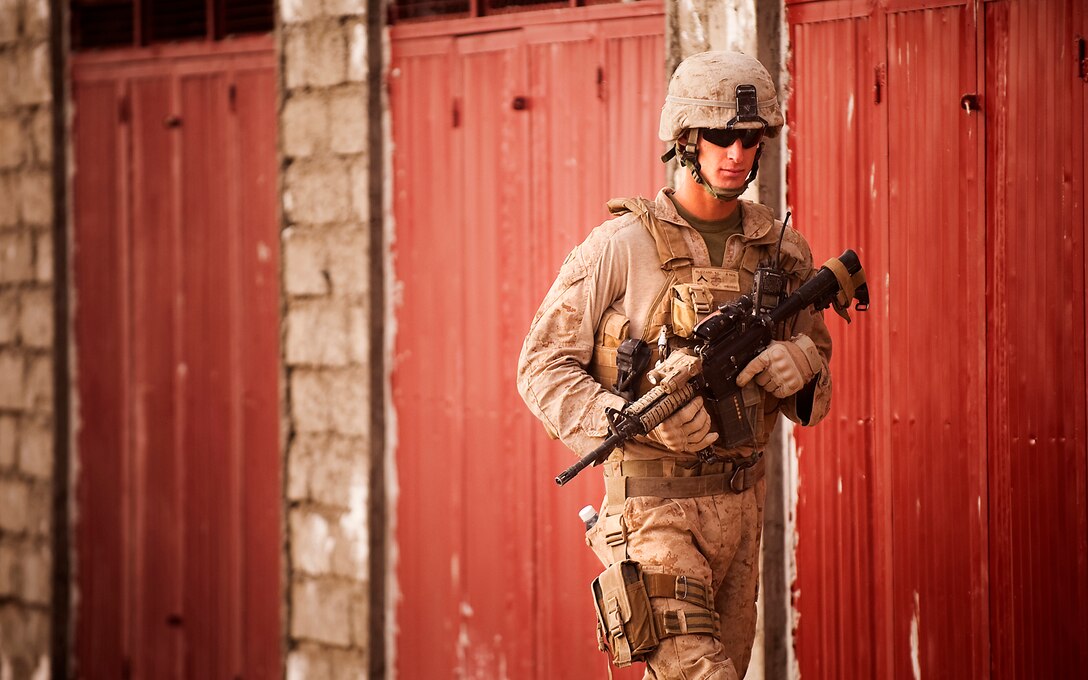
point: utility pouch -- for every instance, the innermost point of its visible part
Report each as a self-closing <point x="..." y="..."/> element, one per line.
<point x="625" y="622"/>
<point x="611" y="333"/>
<point x="690" y="303"/>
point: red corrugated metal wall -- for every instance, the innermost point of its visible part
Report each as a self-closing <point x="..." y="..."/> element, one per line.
<point x="500" y="169"/>
<point x="830" y="120"/>
<point x="1035" y="230"/>
<point x="176" y="263"/>
<point x="942" y="510"/>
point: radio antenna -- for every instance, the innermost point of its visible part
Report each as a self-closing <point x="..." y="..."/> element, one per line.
<point x="778" y="252"/>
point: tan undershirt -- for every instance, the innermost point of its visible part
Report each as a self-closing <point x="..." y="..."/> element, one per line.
<point x="714" y="232"/>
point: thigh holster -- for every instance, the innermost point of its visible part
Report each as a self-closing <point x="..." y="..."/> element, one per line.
<point x="627" y="626"/>
<point x="625" y="622"/>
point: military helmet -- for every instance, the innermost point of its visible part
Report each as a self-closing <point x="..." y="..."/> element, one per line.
<point x="719" y="90"/>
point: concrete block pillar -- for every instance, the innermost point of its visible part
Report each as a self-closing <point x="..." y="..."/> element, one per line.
<point x="325" y="150"/>
<point x="27" y="337"/>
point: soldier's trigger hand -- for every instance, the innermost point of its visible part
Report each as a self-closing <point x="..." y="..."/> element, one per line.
<point x="784" y="367"/>
<point x="687" y="430"/>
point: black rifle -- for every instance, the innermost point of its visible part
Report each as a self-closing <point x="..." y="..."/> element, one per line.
<point x="727" y="341"/>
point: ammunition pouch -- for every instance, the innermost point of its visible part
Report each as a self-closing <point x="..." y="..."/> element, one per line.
<point x="691" y="302"/>
<point x="625" y="621"/>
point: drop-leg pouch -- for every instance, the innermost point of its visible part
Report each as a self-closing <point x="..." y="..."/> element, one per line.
<point x="625" y="622"/>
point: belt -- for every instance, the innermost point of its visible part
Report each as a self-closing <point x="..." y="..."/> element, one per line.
<point x="737" y="475"/>
<point x="666" y="467"/>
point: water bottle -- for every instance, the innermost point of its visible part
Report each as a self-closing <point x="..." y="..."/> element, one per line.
<point x="589" y="516"/>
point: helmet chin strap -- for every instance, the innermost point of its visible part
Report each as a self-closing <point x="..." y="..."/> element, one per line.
<point x="689" y="157"/>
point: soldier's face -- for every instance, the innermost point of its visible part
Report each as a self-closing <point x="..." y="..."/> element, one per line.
<point x="726" y="167"/>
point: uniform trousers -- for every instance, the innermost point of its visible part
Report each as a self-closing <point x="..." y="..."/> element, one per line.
<point x="714" y="539"/>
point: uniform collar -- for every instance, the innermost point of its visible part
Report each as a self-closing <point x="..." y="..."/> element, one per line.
<point x="757" y="220"/>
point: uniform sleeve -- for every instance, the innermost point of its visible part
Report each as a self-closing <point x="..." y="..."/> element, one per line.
<point x="811" y="404"/>
<point x="552" y="377"/>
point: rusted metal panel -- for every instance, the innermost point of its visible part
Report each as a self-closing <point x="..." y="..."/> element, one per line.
<point x="100" y="266"/>
<point x="937" y="359"/>
<point x="157" y="455"/>
<point x="981" y="475"/>
<point x="513" y="124"/>
<point x="255" y="219"/>
<point x="569" y="140"/>
<point x="206" y="415"/>
<point x="880" y="534"/>
<point x="839" y="555"/>
<point x="429" y="443"/>
<point x="633" y="94"/>
<point x="590" y="81"/>
<point x="196" y="573"/>
<point x="1035" y="229"/>
<point x="568" y="164"/>
<point x="497" y="637"/>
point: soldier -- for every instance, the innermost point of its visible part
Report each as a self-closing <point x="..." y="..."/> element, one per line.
<point x="650" y="274"/>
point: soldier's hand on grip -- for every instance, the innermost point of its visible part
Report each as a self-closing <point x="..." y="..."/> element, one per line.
<point x="687" y="430"/>
<point x="784" y="367"/>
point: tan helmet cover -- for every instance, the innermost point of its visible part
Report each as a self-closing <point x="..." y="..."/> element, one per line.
<point x="703" y="94"/>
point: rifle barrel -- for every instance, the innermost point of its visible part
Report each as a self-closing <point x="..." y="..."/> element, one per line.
<point x="604" y="449"/>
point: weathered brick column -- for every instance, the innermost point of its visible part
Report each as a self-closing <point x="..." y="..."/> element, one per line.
<point x="323" y="137"/>
<point x="26" y="338"/>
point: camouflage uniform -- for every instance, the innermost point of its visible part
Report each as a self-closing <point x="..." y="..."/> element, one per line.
<point x="708" y="543"/>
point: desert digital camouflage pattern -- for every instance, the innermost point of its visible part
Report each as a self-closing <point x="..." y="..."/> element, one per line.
<point x="725" y="533"/>
<point x="618" y="268"/>
<point x="702" y="94"/>
<point x="678" y="532"/>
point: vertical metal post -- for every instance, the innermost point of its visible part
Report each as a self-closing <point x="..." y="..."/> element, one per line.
<point x="379" y="618"/>
<point x="777" y="548"/>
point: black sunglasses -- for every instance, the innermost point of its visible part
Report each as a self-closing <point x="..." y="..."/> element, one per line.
<point x="725" y="138"/>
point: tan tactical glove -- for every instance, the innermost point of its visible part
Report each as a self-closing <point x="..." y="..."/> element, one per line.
<point x="784" y="367"/>
<point x="687" y="430"/>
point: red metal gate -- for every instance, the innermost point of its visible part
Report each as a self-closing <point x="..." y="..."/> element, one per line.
<point x="942" y="519"/>
<point x="1035" y="231"/>
<point x="176" y="330"/>
<point x="507" y="142"/>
